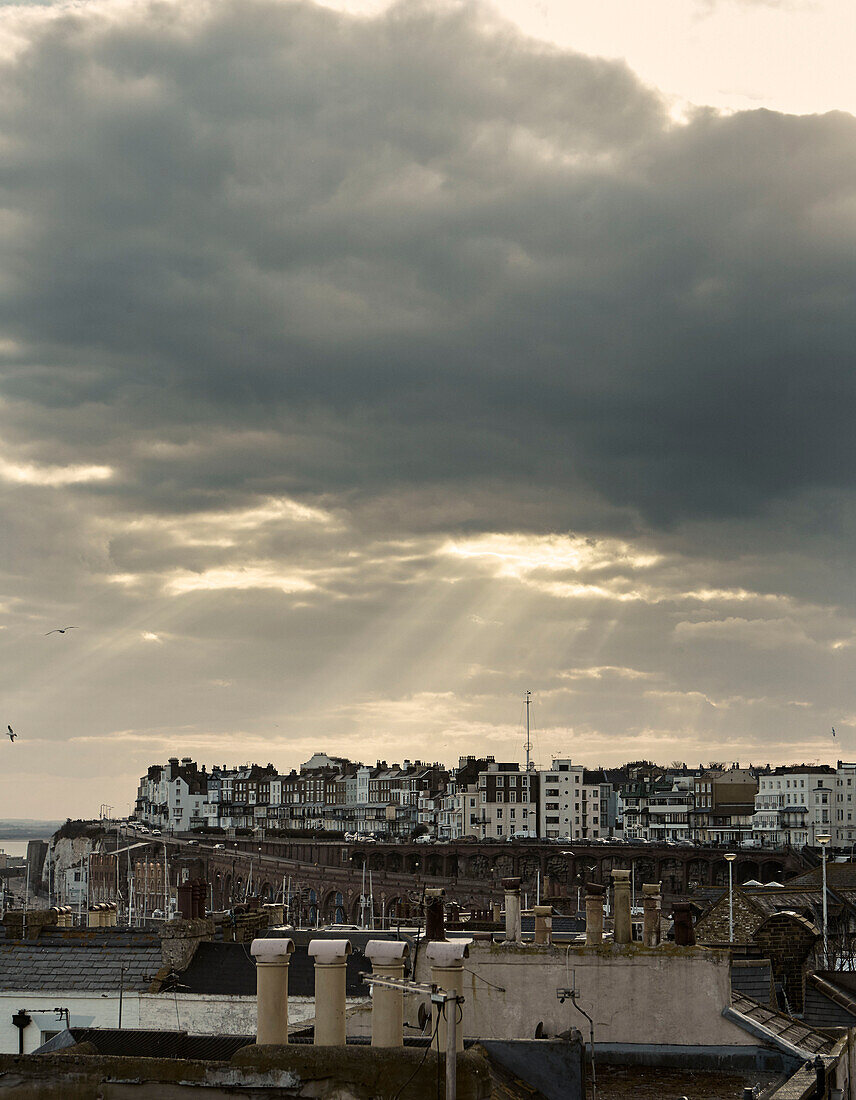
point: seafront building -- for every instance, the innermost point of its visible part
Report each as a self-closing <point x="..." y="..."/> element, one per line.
<point x="488" y="799"/>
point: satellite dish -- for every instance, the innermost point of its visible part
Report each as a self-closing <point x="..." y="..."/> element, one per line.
<point x="423" y="1016"/>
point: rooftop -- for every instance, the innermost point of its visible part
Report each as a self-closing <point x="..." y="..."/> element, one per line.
<point x="656" y="1083"/>
<point x="783" y="1027"/>
<point x="96" y="961"/>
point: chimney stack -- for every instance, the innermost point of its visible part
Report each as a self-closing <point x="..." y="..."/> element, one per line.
<point x="543" y="924"/>
<point x="513" y="929"/>
<point x="388" y="960"/>
<point x="622" y="932"/>
<point x="447" y="971"/>
<point x="272" y="958"/>
<point x="331" y="961"/>
<point x="682" y="915"/>
<point x="594" y="914"/>
<point x="435" y="923"/>
<point x="651" y="901"/>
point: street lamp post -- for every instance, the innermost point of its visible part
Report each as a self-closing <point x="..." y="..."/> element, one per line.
<point x="730" y="858"/>
<point x="823" y="840"/>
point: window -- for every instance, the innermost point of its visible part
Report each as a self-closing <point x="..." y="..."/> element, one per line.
<point x="499" y="830"/>
<point x="500" y="781"/>
<point x="499" y="814"/>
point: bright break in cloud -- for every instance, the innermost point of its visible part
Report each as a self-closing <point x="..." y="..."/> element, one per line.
<point x="358" y="373"/>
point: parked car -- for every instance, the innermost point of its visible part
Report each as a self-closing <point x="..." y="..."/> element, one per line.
<point x="220" y="846"/>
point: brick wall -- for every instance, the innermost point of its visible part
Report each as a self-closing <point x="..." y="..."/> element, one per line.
<point x="787" y="940"/>
<point x="713" y="926"/>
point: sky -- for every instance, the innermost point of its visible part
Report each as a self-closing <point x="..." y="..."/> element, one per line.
<point x="364" y="366"/>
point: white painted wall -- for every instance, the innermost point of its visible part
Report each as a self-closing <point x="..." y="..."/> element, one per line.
<point x="198" y="1014"/>
<point x="635" y="995"/>
<point x="85" y="1010"/>
<point x="211" y="1014"/>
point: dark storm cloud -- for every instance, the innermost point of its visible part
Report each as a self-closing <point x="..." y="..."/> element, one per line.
<point x="414" y="250"/>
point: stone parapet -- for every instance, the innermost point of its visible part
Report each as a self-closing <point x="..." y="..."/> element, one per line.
<point x="180" y="938"/>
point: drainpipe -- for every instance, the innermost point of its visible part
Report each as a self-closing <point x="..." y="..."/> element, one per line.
<point x="513" y="933"/>
<point x="388" y="960"/>
<point x="331" y="961"/>
<point x="272" y="958"/>
<point x="447" y="971"/>
<point x="621" y="892"/>
<point x="21" y="1020"/>
<point x="820" y="1078"/>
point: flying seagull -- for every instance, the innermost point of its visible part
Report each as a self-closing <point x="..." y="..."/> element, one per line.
<point x="60" y="630"/>
<point x="12" y="734"/>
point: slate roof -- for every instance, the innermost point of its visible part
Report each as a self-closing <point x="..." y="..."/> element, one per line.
<point x="827" y="1005"/>
<point x="228" y="968"/>
<point x="80" y="961"/>
<point x="768" y="900"/>
<point x="753" y="978"/>
<point x="785" y="1027"/>
<point x="838" y="876"/>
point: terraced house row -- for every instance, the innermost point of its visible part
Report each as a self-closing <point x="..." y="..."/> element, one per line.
<point x="490" y="800"/>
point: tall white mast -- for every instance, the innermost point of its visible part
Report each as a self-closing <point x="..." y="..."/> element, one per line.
<point x="528" y="745"/>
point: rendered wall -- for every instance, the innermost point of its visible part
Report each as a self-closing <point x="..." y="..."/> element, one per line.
<point x="85" y="1010"/>
<point x="634" y="995"/>
<point x="198" y="1014"/>
<point x="209" y="1014"/>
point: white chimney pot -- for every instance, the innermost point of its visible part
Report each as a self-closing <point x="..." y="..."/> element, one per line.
<point x="387" y="952"/>
<point x="272" y="950"/>
<point x="329" y="952"/>
<point x="447" y="952"/>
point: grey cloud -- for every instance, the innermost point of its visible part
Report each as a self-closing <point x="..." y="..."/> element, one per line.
<point x="426" y="242"/>
<point x="433" y="280"/>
